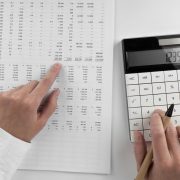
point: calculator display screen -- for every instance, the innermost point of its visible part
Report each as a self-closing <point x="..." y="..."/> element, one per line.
<point x="154" y="57"/>
<point x="147" y="54"/>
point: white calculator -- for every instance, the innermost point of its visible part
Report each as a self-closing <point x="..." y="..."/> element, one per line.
<point x="152" y="73"/>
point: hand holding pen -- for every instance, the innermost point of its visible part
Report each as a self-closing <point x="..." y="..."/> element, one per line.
<point x="165" y="159"/>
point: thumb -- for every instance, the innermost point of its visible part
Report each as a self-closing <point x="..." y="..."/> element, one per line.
<point x="140" y="148"/>
<point x="48" y="108"/>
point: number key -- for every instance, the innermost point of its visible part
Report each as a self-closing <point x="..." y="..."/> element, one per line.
<point x="160" y="99"/>
<point x="147" y="100"/>
<point x="173" y="98"/>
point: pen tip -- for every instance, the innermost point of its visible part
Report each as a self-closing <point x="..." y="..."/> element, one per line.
<point x="170" y="111"/>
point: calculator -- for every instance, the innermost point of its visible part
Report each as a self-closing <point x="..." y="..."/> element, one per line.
<point x="152" y="76"/>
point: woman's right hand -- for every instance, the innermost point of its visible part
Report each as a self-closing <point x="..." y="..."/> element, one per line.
<point x="166" y="150"/>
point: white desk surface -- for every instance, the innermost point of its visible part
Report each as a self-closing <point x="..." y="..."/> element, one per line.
<point x="133" y="18"/>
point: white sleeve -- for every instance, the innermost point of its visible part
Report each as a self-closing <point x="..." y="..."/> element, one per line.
<point x="12" y="152"/>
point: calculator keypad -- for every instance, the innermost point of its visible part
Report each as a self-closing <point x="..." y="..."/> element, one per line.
<point x="149" y="91"/>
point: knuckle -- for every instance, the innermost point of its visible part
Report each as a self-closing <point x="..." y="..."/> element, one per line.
<point x="10" y="99"/>
<point x="34" y="99"/>
<point x="34" y="82"/>
<point x="15" y="99"/>
<point x="28" y="104"/>
<point x="46" y="80"/>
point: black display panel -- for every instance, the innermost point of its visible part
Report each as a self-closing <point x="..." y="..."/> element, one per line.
<point x="151" y="54"/>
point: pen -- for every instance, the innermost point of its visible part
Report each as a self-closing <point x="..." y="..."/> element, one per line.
<point x="149" y="156"/>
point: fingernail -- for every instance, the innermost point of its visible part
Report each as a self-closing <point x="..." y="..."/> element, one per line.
<point x="57" y="66"/>
<point x="155" y="115"/>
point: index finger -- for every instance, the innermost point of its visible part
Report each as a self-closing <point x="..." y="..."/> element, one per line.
<point x="159" y="142"/>
<point x="44" y="85"/>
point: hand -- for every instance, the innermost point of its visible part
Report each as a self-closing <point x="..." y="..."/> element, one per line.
<point x="20" y="112"/>
<point x="166" y="150"/>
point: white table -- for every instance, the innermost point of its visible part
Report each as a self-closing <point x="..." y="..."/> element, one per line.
<point x="133" y="18"/>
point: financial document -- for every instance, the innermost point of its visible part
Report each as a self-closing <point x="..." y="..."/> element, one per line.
<point x="34" y="34"/>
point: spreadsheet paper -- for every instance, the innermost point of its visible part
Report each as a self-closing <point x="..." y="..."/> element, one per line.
<point x="34" y="34"/>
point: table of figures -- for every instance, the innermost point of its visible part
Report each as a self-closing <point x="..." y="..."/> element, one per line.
<point x="35" y="34"/>
<point x="40" y="32"/>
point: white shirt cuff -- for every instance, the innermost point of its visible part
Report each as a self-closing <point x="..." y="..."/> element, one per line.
<point x="12" y="152"/>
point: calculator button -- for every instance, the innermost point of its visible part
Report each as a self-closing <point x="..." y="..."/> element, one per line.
<point x="162" y="108"/>
<point x="144" y="78"/>
<point x="173" y="98"/>
<point x="176" y="120"/>
<point x="147" y="135"/>
<point x="159" y="88"/>
<point x="176" y="111"/>
<point x="135" y="113"/>
<point x="134" y="101"/>
<point x="145" y="89"/>
<point x="178" y="73"/>
<point x="157" y="76"/>
<point x="146" y="123"/>
<point x="132" y="135"/>
<point x="170" y="75"/>
<point x="147" y="111"/>
<point x="131" y="79"/>
<point x="133" y="90"/>
<point x="160" y="99"/>
<point x="147" y="100"/>
<point x="172" y="87"/>
<point x="136" y="124"/>
<point x="179" y="85"/>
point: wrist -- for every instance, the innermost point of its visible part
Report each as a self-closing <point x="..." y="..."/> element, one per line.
<point x="10" y="135"/>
